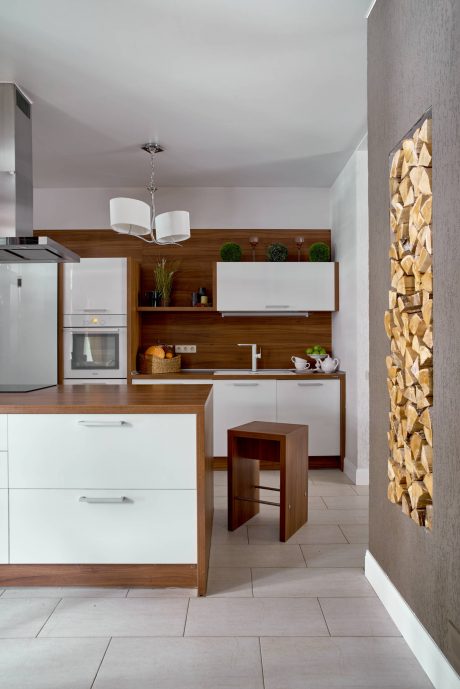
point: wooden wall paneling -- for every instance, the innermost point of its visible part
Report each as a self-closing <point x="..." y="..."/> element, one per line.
<point x="60" y="324"/>
<point x="215" y="337"/>
<point x="134" y="271"/>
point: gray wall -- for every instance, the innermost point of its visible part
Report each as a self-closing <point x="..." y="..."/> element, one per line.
<point x="414" y="63"/>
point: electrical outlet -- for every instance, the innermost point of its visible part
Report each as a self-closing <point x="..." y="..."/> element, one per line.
<point x="185" y="349"/>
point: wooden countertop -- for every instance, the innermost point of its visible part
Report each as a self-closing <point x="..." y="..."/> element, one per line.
<point x="181" y="375"/>
<point x="108" y="399"/>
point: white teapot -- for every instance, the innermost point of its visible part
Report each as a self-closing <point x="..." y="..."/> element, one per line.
<point x="328" y="365"/>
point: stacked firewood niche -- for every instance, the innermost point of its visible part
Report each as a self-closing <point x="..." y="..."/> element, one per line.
<point x="408" y="324"/>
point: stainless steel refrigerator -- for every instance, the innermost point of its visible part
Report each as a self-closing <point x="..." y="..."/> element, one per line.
<point x="28" y="325"/>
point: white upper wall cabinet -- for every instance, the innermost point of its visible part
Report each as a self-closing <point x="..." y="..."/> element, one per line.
<point x="277" y="287"/>
<point x="95" y="285"/>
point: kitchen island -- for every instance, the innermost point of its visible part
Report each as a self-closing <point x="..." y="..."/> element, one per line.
<point x="106" y="485"/>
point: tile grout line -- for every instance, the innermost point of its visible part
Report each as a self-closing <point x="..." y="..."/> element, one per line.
<point x="102" y="660"/>
<point x="45" y="622"/>
<point x="186" y="616"/>
<point x="252" y="581"/>
<point x="304" y="558"/>
<point x="324" y="617"/>
<point x="261" y="663"/>
<point x="344" y="535"/>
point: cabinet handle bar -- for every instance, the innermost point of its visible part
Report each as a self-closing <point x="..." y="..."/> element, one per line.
<point x="96" y="424"/>
<point x="96" y="500"/>
<point x="310" y="385"/>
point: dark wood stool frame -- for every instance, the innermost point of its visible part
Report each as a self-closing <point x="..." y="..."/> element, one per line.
<point x="284" y="443"/>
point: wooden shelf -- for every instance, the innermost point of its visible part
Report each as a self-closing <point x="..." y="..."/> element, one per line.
<point x="162" y="309"/>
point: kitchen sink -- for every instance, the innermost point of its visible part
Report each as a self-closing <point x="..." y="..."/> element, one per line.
<point x="248" y="372"/>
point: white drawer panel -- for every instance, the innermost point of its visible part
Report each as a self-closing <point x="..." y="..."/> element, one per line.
<point x="67" y="451"/>
<point x="3" y="526"/>
<point x="3" y="432"/>
<point x="150" y="526"/>
<point x="3" y="469"/>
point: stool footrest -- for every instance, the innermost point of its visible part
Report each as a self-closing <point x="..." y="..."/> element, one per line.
<point x="267" y="488"/>
<point x="262" y="502"/>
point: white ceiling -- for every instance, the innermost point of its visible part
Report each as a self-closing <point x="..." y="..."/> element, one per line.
<point x="239" y="92"/>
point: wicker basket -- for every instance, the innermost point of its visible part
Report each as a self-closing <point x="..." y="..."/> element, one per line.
<point x="152" y="364"/>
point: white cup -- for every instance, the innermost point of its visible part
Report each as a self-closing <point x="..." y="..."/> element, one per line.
<point x="300" y="364"/>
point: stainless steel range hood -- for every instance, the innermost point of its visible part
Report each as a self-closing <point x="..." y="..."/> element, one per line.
<point x="17" y="242"/>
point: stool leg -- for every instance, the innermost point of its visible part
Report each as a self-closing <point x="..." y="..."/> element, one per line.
<point x="243" y="474"/>
<point x="293" y="484"/>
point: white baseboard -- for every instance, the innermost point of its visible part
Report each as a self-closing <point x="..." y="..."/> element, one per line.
<point x="359" y="476"/>
<point x="433" y="661"/>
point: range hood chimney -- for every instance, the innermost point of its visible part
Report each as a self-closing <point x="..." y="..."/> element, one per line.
<point x="17" y="242"/>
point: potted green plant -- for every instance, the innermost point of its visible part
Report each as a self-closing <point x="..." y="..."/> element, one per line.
<point x="277" y="252"/>
<point x="319" y="252"/>
<point x="164" y="276"/>
<point x="231" y="251"/>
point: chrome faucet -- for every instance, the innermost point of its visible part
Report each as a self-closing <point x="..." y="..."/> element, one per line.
<point x="254" y="355"/>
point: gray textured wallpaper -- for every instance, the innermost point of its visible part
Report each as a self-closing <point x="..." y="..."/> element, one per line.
<point x="414" y="64"/>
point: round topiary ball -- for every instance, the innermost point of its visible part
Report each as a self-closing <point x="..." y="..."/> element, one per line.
<point x="320" y="252"/>
<point x="230" y="252"/>
<point x="277" y="252"/>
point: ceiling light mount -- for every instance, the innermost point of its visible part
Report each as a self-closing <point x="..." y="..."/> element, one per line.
<point x="131" y="216"/>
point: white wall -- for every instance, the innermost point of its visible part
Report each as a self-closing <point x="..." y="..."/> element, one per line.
<point x="350" y="327"/>
<point x="210" y="207"/>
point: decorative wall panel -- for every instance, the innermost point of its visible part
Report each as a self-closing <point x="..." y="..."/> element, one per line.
<point x="409" y="325"/>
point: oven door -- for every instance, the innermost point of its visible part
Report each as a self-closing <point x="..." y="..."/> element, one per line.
<point x="95" y="352"/>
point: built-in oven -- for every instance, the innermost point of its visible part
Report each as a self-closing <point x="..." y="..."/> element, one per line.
<point x="94" y="347"/>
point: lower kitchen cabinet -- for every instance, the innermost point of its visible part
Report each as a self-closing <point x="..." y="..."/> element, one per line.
<point x="240" y="401"/>
<point x="317" y="404"/>
<point x="3" y="526"/>
<point x="141" y="526"/>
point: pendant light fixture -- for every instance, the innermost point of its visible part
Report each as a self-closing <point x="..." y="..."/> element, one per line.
<point x="131" y="216"/>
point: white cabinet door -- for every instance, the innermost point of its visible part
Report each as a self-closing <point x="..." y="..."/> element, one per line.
<point x="317" y="404"/>
<point x="280" y="287"/>
<point x="3" y="526"/>
<point x="148" y="526"/>
<point x="240" y="401"/>
<point x="102" y="450"/>
<point x="95" y="285"/>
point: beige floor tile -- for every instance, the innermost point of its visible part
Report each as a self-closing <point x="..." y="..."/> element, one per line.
<point x="347" y="502"/>
<point x="316" y="503"/>
<point x="229" y="582"/>
<point x="64" y="592"/>
<point x="310" y="533"/>
<point x="310" y="582"/>
<point x="361" y="490"/>
<point x="117" y="617"/>
<point x="221" y="534"/>
<point x="220" y="478"/>
<point x="328" y="476"/>
<point x="340" y="663"/>
<point x="276" y="555"/>
<point x="23" y="618"/>
<point x="324" y="489"/>
<point x="170" y="592"/>
<point x="255" y="617"/>
<point x="357" y="617"/>
<point x="342" y="555"/>
<point x="191" y="663"/>
<point x="355" y="533"/>
<point x="50" y="663"/>
<point x="329" y="516"/>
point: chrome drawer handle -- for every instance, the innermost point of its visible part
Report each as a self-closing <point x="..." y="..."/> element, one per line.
<point x="310" y="385"/>
<point x="245" y="385"/>
<point x="108" y="424"/>
<point x="277" y="306"/>
<point x="95" y="310"/>
<point x="96" y="500"/>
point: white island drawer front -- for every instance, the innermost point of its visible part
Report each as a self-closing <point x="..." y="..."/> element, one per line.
<point x="102" y="451"/>
<point x="315" y="403"/>
<point x="106" y="527"/>
<point x="3" y="526"/>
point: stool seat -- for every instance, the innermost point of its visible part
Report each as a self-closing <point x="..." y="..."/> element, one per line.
<point x="285" y="443"/>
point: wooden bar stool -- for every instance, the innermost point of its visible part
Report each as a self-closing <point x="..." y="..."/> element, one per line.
<point x="286" y="443"/>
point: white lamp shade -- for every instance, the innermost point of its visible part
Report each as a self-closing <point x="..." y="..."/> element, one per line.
<point x="129" y="216"/>
<point x="172" y="227"/>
